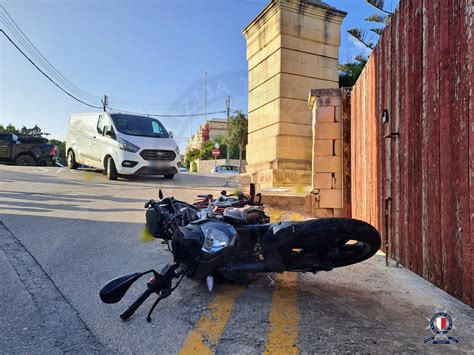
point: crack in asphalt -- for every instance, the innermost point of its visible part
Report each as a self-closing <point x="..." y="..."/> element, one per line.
<point x="67" y="330"/>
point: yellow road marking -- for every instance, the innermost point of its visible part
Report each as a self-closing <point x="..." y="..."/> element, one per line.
<point x="210" y="326"/>
<point x="284" y="316"/>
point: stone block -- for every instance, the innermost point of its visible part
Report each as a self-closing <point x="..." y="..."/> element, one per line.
<point x="295" y="152"/>
<point x="308" y="46"/>
<point x="330" y="198"/>
<point x="338" y="113"/>
<point x="337" y="181"/>
<point x="338" y="147"/>
<point x="328" y="131"/>
<point x="327" y="164"/>
<point x="323" y="212"/>
<point x="322" y="181"/>
<point x="325" y="114"/>
<point x="293" y="129"/>
<point x="323" y="147"/>
<point x="328" y="101"/>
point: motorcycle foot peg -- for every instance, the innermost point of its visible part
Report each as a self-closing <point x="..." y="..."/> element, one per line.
<point x="210" y="282"/>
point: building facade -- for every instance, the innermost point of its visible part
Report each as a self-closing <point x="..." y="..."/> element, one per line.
<point x="208" y="131"/>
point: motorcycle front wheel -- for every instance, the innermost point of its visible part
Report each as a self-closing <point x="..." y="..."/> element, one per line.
<point x="338" y="241"/>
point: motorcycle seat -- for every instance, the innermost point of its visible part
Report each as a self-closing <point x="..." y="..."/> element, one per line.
<point x="247" y="214"/>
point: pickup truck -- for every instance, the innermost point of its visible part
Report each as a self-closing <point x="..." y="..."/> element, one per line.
<point x="26" y="151"/>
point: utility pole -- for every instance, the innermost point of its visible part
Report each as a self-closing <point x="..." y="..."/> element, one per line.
<point x="205" y="95"/>
<point x="227" y="102"/>
<point x="105" y="103"/>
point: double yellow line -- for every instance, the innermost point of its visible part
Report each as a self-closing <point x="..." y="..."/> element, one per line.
<point x="283" y="319"/>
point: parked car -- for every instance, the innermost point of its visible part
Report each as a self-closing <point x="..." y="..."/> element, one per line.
<point x="26" y="151"/>
<point x="121" y="144"/>
<point x="225" y="169"/>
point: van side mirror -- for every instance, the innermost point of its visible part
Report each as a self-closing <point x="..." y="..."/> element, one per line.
<point x="170" y="133"/>
<point x="111" y="134"/>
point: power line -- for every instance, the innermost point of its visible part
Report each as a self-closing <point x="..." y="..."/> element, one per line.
<point x="46" y="75"/>
<point x="162" y="115"/>
<point x="29" y="47"/>
<point x="64" y="84"/>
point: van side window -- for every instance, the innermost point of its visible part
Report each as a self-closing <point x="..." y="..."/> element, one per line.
<point x="103" y="125"/>
<point x="100" y="125"/>
<point x="156" y="127"/>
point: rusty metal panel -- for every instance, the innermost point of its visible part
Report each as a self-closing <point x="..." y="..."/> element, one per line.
<point x="424" y="79"/>
<point x="346" y="154"/>
<point x="461" y="141"/>
<point x="432" y="93"/>
<point x="469" y="24"/>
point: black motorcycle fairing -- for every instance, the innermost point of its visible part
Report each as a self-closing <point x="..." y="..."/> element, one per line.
<point x="153" y="223"/>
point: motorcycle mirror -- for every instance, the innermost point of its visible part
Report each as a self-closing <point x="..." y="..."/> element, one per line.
<point x="160" y="194"/>
<point x="117" y="288"/>
<point x="223" y="192"/>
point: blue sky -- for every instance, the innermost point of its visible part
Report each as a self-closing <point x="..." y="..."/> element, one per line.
<point x="147" y="55"/>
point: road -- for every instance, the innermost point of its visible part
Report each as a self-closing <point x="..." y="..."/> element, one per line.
<point x="64" y="234"/>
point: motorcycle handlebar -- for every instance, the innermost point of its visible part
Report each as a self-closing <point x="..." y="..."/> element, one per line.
<point x="133" y="307"/>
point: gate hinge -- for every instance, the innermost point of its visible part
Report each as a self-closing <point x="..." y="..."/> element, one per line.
<point x="392" y="135"/>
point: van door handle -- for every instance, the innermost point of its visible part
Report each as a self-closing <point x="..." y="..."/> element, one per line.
<point x="93" y="137"/>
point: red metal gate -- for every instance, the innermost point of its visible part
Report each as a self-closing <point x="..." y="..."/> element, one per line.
<point x="412" y="136"/>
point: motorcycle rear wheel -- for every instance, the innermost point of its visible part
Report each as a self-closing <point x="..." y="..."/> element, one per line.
<point x="340" y="241"/>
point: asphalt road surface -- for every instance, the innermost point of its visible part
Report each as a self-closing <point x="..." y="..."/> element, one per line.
<point x="64" y="234"/>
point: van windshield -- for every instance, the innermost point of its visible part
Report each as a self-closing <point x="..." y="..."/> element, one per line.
<point x="139" y="126"/>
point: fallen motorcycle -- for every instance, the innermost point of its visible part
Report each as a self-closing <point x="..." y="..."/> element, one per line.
<point x="235" y="246"/>
<point x="236" y="200"/>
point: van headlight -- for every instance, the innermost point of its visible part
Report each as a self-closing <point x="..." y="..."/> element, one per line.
<point x="127" y="146"/>
<point x="177" y="151"/>
<point x="217" y="236"/>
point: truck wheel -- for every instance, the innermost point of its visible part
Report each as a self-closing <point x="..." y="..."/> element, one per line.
<point x="169" y="176"/>
<point x="71" y="160"/>
<point x="111" y="169"/>
<point x="25" y="160"/>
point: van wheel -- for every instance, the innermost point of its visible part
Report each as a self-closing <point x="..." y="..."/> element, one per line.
<point x="71" y="160"/>
<point x="111" y="169"/>
<point x="169" y="176"/>
<point x="25" y="160"/>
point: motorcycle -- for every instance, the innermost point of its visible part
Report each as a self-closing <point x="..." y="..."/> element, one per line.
<point x="234" y="245"/>
<point x="225" y="200"/>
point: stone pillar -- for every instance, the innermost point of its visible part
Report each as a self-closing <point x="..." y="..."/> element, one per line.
<point x="327" y="177"/>
<point x="292" y="47"/>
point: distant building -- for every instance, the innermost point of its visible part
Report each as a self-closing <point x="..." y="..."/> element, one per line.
<point x="207" y="131"/>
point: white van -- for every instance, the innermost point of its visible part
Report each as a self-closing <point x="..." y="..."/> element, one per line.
<point x="121" y="144"/>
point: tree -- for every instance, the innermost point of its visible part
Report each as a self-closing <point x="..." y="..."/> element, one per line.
<point x="237" y="133"/>
<point x="350" y="72"/>
<point x="30" y="132"/>
<point x="190" y="156"/>
<point x="363" y="36"/>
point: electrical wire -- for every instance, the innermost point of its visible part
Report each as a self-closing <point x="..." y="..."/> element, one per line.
<point x="29" y="47"/>
<point x="42" y="64"/>
<point x="46" y="75"/>
<point x="162" y="115"/>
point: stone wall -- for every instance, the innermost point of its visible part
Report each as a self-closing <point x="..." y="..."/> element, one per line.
<point x="327" y="181"/>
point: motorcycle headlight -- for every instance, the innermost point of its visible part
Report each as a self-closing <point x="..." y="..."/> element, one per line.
<point x="217" y="237"/>
<point x="127" y="146"/>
